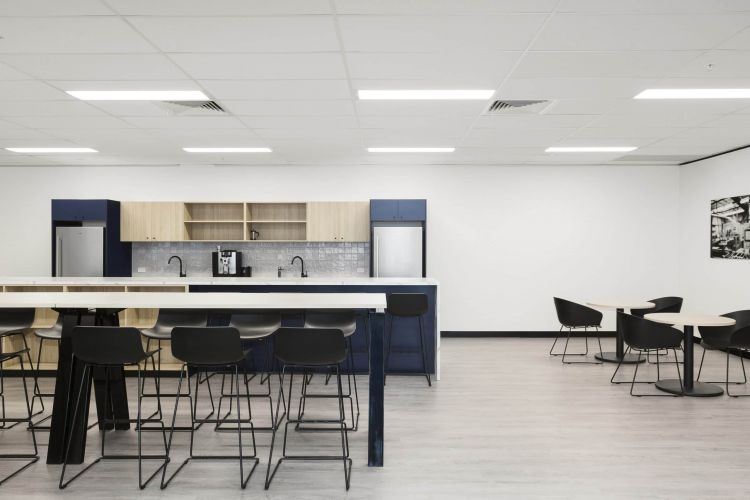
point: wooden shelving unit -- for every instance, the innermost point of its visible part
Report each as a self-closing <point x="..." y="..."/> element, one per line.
<point x="277" y="221"/>
<point x="215" y="221"/>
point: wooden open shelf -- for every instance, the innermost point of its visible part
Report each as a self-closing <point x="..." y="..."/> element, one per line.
<point x="216" y="231"/>
<point x="257" y="212"/>
<point x="279" y="230"/>
<point x="214" y="212"/>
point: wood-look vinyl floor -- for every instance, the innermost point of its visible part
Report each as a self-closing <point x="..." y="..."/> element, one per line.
<point x="506" y="421"/>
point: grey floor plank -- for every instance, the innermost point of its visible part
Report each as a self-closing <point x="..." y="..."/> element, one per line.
<point x="506" y="421"/>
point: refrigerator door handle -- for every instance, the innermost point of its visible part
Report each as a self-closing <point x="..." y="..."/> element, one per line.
<point x="376" y="255"/>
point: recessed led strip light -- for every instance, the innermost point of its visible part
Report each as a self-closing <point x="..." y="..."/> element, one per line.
<point x="424" y="95"/>
<point x="227" y="150"/>
<point x="139" y="95"/>
<point x="694" y="94"/>
<point x="411" y="150"/>
<point x="590" y="149"/>
<point x="52" y="150"/>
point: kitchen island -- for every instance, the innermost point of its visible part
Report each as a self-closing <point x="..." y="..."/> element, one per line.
<point x="405" y="334"/>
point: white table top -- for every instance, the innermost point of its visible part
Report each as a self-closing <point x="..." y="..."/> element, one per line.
<point x="621" y="304"/>
<point x="689" y="319"/>
<point x="179" y="300"/>
<point x="208" y="280"/>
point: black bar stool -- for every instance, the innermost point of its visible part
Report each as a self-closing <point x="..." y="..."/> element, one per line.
<point x="407" y="305"/>
<point x="28" y="458"/>
<point x="256" y="327"/>
<point x="346" y="321"/>
<point x="576" y="316"/>
<point x="643" y="335"/>
<point x="53" y="334"/>
<point x="310" y="349"/>
<point x="166" y="320"/>
<point x="110" y="347"/>
<point x="201" y="350"/>
<point x="15" y="323"/>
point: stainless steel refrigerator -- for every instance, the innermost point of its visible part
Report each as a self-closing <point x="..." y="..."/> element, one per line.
<point x="79" y="251"/>
<point x="398" y="250"/>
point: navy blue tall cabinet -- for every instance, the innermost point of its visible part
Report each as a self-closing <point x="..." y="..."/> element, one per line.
<point x="117" y="254"/>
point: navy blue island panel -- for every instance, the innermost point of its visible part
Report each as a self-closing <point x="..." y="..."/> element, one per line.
<point x="405" y="357"/>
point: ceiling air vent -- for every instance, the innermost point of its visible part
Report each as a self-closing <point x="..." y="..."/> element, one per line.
<point x="516" y="107"/>
<point x="194" y="108"/>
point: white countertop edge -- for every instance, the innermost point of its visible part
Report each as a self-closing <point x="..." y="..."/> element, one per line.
<point x="207" y="280"/>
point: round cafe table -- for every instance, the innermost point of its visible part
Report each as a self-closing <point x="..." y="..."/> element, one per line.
<point x="619" y="355"/>
<point x="688" y="321"/>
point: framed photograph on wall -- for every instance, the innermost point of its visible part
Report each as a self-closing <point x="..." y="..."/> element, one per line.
<point x="730" y="228"/>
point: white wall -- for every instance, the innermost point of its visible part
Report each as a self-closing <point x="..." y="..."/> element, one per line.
<point x="714" y="286"/>
<point x="501" y="240"/>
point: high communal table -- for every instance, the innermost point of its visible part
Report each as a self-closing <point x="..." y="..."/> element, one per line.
<point x="689" y="387"/>
<point x="76" y="307"/>
<point x="619" y="355"/>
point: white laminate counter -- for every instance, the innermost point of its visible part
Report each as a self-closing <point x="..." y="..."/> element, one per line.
<point x="208" y="280"/>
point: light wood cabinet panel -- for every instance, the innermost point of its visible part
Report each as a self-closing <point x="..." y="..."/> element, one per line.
<point x="151" y="221"/>
<point x="338" y="221"/>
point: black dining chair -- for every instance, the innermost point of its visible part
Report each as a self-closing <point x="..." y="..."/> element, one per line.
<point x="727" y="338"/>
<point x="15" y="323"/>
<point x="303" y="350"/>
<point x="661" y="305"/>
<point x="204" y="349"/>
<point x="575" y="316"/>
<point x="642" y="335"/>
<point x="110" y="347"/>
<point x="27" y="458"/>
<point x="52" y="334"/>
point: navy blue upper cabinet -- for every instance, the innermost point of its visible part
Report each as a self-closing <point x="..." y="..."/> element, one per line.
<point x="79" y="210"/>
<point x="398" y="210"/>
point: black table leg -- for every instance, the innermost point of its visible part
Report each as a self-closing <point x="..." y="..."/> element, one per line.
<point x="117" y="406"/>
<point x="689" y="387"/>
<point x="619" y="355"/>
<point x="67" y="382"/>
<point x="377" y="392"/>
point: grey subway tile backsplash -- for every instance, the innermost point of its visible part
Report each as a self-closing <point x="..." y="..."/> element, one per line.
<point x="344" y="259"/>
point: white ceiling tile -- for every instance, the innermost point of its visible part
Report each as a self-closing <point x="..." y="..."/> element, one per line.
<point x="720" y="134"/>
<point x="123" y="85"/>
<point x="572" y="88"/>
<point x="495" y="137"/>
<point x="456" y="126"/>
<point x="289" y="108"/>
<point x="435" y="33"/>
<point x="673" y="31"/>
<point x="300" y="122"/>
<point x="740" y="41"/>
<point x="462" y="7"/>
<point x="95" y="66"/>
<point x="613" y="134"/>
<point x="10" y="130"/>
<point x="90" y="34"/>
<point x="648" y="108"/>
<point x="645" y="64"/>
<point x="8" y="73"/>
<point x="420" y="108"/>
<point x="219" y="7"/>
<point x="30" y="90"/>
<point x="57" y="122"/>
<point x="48" y="108"/>
<point x="282" y="90"/>
<point x="651" y="6"/>
<point x="690" y="145"/>
<point x="261" y="66"/>
<point x="736" y="121"/>
<point x="133" y="108"/>
<point x="718" y="64"/>
<point x="307" y="133"/>
<point x="581" y="106"/>
<point x="436" y="70"/>
<point x="54" y="8"/>
<point x="686" y="118"/>
<point x="531" y="122"/>
<point x="240" y="34"/>
<point x="381" y="138"/>
<point x="179" y="122"/>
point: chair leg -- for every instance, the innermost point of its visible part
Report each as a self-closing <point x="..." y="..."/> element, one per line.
<point x="635" y="373"/>
<point x="277" y="419"/>
<point x="565" y="351"/>
<point x="344" y="437"/>
<point x="555" y="343"/>
<point x="64" y="484"/>
<point x="28" y="458"/>
<point x="164" y="481"/>
<point x="744" y="375"/>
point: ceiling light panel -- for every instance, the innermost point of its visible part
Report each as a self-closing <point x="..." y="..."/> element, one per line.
<point x="51" y="150"/>
<point x="139" y="95"/>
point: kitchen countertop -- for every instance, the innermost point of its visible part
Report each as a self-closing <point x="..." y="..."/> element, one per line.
<point x="208" y="280"/>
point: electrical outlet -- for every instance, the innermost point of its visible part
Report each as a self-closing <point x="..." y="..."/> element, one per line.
<point x="141" y="269"/>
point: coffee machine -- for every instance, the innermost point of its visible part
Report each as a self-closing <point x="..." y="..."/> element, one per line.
<point x="226" y="262"/>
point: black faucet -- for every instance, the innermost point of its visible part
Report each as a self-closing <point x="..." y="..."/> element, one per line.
<point x="303" y="274"/>
<point x="182" y="273"/>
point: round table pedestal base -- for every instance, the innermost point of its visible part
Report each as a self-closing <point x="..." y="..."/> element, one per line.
<point x="699" y="390"/>
<point x="628" y="359"/>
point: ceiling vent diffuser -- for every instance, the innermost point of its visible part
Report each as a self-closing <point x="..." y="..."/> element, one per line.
<point x="516" y="107"/>
<point x="194" y="108"/>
